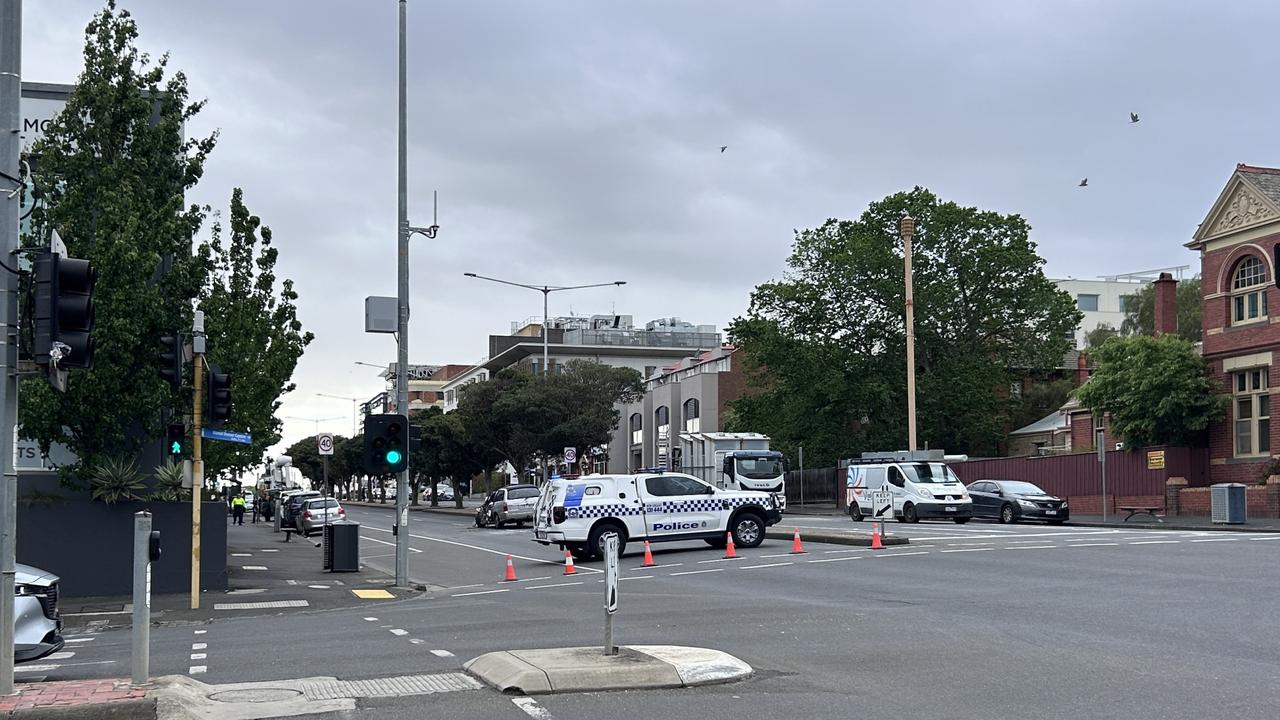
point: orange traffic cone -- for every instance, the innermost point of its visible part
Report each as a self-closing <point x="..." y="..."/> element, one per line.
<point x="875" y="537"/>
<point x="648" y="556"/>
<point x="569" y="569"/>
<point x="729" y="551"/>
<point x="796" y="547"/>
<point x="511" y="571"/>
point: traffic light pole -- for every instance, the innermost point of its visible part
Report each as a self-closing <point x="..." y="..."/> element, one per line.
<point x="402" y="294"/>
<point x="10" y="117"/>
<point x="197" y="464"/>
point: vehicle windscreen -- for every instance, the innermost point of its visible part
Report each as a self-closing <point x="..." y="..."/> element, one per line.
<point x="929" y="473"/>
<point x="1021" y="488"/>
<point x="760" y="468"/>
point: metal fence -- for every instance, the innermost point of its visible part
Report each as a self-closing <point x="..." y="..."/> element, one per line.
<point x="815" y="485"/>
<point x="1128" y="472"/>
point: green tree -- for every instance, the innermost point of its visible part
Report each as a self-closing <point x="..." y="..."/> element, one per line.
<point x="1156" y="391"/>
<point x="254" y="335"/>
<point x="496" y="419"/>
<point x="113" y="169"/>
<point x="1100" y="334"/>
<point x="1141" y="316"/>
<point x="824" y="348"/>
<point x="1040" y="400"/>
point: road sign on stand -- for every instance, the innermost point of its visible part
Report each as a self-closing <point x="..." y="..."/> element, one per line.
<point x="325" y="440"/>
<point x="570" y="455"/>
<point x="881" y="505"/>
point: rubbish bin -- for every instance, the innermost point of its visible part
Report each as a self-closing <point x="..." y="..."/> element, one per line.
<point x="342" y="547"/>
<point x="1228" y="503"/>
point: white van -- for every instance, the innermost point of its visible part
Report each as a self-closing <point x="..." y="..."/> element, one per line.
<point x="920" y="489"/>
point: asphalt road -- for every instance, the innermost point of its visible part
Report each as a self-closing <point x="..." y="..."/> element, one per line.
<point x="974" y="621"/>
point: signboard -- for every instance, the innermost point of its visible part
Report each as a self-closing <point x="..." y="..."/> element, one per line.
<point x="570" y="455"/>
<point x="881" y="505"/>
<point x="1155" y="459"/>
<point x="325" y="441"/>
<point x="1100" y="442"/>
<point x="227" y="436"/>
<point x="611" y="573"/>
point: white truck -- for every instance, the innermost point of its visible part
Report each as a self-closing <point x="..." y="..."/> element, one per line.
<point x="734" y="461"/>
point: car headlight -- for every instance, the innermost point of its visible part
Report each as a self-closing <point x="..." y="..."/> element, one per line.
<point x="1064" y="504"/>
<point x="1026" y="503"/>
<point x="964" y="494"/>
<point x="924" y="493"/>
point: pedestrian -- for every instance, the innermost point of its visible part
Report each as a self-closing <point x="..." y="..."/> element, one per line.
<point x="237" y="510"/>
<point x="257" y="506"/>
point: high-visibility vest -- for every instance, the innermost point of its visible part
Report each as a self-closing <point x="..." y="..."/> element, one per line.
<point x="237" y="501"/>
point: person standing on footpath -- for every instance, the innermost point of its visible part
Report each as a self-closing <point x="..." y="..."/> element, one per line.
<point x="237" y="510"/>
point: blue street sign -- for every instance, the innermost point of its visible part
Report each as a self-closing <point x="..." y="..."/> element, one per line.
<point x="224" y="435"/>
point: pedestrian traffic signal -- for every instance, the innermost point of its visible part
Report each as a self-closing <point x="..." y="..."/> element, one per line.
<point x="63" y="311"/>
<point x="176" y="442"/>
<point x="171" y="360"/>
<point x="386" y="444"/>
<point x="217" y="404"/>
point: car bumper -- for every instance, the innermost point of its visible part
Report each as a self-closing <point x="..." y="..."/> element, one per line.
<point x="944" y="510"/>
<point x="548" y="537"/>
<point x="1044" y="514"/>
<point x="36" y="635"/>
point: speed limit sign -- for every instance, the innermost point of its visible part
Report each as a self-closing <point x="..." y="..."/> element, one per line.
<point x="325" y="441"/>
<point x="570" y="455"/>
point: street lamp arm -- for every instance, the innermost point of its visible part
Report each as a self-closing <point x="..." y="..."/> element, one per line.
<point x="594" y="285"/>
<point x="539" y="288"/>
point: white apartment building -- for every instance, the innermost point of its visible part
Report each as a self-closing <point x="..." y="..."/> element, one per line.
<point x="1106" y="300"/>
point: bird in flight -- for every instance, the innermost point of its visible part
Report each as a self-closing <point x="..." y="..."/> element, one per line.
<point x="723" y="148"/>
<point x="1133" y="117"/>
<point x="1084" y="183"/>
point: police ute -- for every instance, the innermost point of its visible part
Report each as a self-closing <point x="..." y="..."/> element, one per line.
<point x="578" y="513"/>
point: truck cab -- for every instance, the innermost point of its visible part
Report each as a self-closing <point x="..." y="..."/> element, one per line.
<point x="758" y="470"/>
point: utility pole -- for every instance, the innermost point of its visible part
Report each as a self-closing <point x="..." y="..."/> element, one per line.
<point x="10" y="119"/>
<point x="402" y="293"/>
<point x="197" y="454"/>
<point x="908" y="228"/>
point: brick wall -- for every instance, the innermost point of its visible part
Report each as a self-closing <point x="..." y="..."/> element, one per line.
<point x="1092" y="504"/>
<point x="1224" y="467"/>
<point x="1261" y="501"/>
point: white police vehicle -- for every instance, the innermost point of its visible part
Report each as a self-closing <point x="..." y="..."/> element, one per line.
<point x="577" y="513"/>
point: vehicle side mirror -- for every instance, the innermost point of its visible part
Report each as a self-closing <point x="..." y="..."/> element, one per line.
<point x="710" y="490"/>
<point x="998" y="492"/>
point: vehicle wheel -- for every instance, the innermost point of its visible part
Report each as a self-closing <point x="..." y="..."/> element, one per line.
<point x="855" y="512"/>
<point x="909" y="514"/>
<point x="595" y="541"/>
<point x="716" y="542"/>
<point x="1006" y="514"/>
<point x="961" y="521"/>
<point x="748" y="530"/>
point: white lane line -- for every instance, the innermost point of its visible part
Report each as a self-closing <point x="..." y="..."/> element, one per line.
<point x="54" y="666"/>
<point x="1032" y="547"/>
<point x="269" y="550"/>
<point x="636" y="577"/>
<point x="290" y="582"/>
<point x="384" y="542"/>
<point x="482" y="592"/>
<point x="80" y="640"/>
<point x="846" y="557"/>
<point x="697" y="572"/>
<point x="488" y="550"/>
<point x="642" y="568"/>
<point x="199" y="656"/>
<point x="778" y="555"/>
<point x="968" y="550"/>
<point x="851" y="550"/>
<point x="197" y="669"/>
<point x="1156" y="542"/>
<point x="704" y="562"/>
<point x="463" y="587"/>
<point x="553" y="585"/>
<point x="900" y="554"/>
<point x="417" y="641"/>
<point x="544" y="577"/>
<point x="241" y="554"/>
<point x="199" y="646"/>
<point x="767" y="565"/>
<point x="967" y="544"/>
<point x="398" y="632"/>
<point x="1276" y="537"/>
<point x="442" y="653"/>
<point x="253" y="567"/>
<point x="371" y="619"/>
<point x="201" y="632"/>
<point x="59" y="656"/>
<point x="1218" y="540"/>
<point x="531" y="708"/>
<point x="1094" y="545"/>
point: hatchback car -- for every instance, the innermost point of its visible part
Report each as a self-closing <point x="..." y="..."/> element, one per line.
<point x="316" y="512"/>
<point x="37" y="622"/>
<point x="1013" y="500"/>
<point x="510" y="504"/>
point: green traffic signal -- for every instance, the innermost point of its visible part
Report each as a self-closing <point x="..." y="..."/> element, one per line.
<point x="175" y="447"/>
<point x="393" y="457"/>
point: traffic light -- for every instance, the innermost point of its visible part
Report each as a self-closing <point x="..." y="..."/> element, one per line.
<point x="63" y="311"/>
<point x="217" y="403"/>
<point x="386" y="444"/>
<point x="171" y="360"/>
<point x="176" y="443"/>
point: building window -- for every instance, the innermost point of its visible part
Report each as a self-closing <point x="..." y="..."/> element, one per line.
<point x="637" y="429"/>
<point x="692" y="421"/>
<point x="1087" y="303"/>
<point x="1249" y="291"/>
<point x="1252" y="407"/>
<point x="662" y="423"/>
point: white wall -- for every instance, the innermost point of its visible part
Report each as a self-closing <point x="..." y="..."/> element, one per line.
<point x="1109" y="295"/>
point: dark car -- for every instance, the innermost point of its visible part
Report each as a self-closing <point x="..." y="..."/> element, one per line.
<point x="1013" y="500"/>
<point x="293" y="505"/>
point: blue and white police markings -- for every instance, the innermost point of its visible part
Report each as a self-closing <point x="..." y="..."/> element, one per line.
<point x="679" y="525"/>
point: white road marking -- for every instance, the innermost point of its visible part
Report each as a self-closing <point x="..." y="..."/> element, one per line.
<point x="641" y="568"/>
<point x="901" y="554"/>
<point x="197" y="669"/>
<point x="384" y="542"/>
<point x="531" y="708"/>
<point x="1218" y="540"/>
<point x="319" y="587"/>
<point x="967" y="544"/>
<point x="1094" y="545"/>
<point x="1032" y="547"/>
<point x="777" y="555"/>
<point x="247" y="591"/>
<point x="267" y="604"/>
<point x="482" y="592"/>
<point x="487" y="550"/>
<point x="767" y="565"/>
<point x="201" y="632"/>
<point x="199" y="646"/>
<point x="462" y="587"/>
<point x="398" y="632"/>
<point x="847" y="557"/>
<point x="544" y="577"/>
<point x="704" y="562"/>
<point x="968" y="550"/>
<point x="416" y="641"/>
<point x="371" y="619"/>
<point x="442" y="653"/>
<point x="290" y="582"/>
<point x="241" y="554"/>
<point x="81" y="640"/>
<point x="54" y="666"/>
<point x="269" y="550"/>
<point x="1156" y="542"/>
<point x="59" y="656"/>
<point x="1275" y="537"/>
<point x="697" y="572"/>
<point x="253" y="567"/>
<point x="636" y="577"/>
<point x="850" y="550"/>
<point x="199" y="656"/>
<point x="553" y="585"/>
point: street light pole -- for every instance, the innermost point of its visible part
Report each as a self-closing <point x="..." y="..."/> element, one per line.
<point x="907" y="229"/>
<point x="355" y="410"/>
<point x="546" y="291"/>
<point x="10" y="122"/>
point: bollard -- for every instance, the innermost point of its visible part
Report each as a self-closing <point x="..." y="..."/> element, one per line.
<point x="141" y="597"/>
<point x="276" y="517"/>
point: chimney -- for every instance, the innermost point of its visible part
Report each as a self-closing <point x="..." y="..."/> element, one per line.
<point x="1082" y="369"/>
<point x="1166" y="291"/>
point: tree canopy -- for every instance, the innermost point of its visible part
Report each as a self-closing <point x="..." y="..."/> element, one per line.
<point x="1156" y="391"/>
<point x="825" y="346"/>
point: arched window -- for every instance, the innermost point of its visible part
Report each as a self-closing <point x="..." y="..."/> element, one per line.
<point x="637" y="429"/>
<point x="692" y="422"/>
<point x="662" y="416"/>
<point x="1249" y="291"/>
<point x="662" y="423"/>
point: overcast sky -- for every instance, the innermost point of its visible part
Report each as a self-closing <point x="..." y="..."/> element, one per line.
<point x="577" y="142"/>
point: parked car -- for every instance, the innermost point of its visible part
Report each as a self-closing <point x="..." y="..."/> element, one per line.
<point x="315" y="512"/>
<point x="444" y="491"/>
<point x="37" y="622"/>
<point x="288" y="516"/>
<point x="510" y="504"/>
<point x="1013" y="500"/>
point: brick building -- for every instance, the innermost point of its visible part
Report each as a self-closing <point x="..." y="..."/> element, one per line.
<point x="1239" y="243"/>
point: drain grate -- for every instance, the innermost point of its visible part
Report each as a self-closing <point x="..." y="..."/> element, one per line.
<point x="390" y="687"/>
<point x="261" y="605"/>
